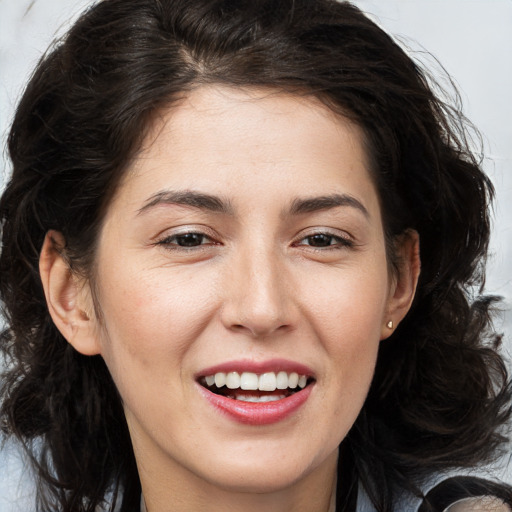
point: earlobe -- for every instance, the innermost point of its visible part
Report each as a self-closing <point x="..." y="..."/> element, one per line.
<point x="68" y="297"/>
<point x="404" y="286"/>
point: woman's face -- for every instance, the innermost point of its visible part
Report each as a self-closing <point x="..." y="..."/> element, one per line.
<point x="245" y="243"/>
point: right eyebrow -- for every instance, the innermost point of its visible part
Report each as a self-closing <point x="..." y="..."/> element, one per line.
<point x="188" y="198"/>
<point x="314" y="204"/>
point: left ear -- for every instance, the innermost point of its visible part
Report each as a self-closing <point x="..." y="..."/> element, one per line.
<point x="403" y="284"/>
<point x="69" y="298"/>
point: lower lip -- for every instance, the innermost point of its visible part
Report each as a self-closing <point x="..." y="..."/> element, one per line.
<point x="253" y="413"/>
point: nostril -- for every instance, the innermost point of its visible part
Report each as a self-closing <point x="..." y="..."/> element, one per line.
<point x="258" y="330"/>
<point x="239" y="328"/>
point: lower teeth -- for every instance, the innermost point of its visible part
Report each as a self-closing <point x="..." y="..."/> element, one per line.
<point x="264" y="398"/>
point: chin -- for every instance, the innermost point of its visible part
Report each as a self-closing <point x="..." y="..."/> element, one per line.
<point x="257" y="481"/>
<point x="274" y="473"/>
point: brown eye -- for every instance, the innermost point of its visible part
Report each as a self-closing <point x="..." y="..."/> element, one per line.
<point x="189" y="239"/>
<point x="186" y="240"/>
<point x="320" y="240"/>
<point x="325" y="240"/>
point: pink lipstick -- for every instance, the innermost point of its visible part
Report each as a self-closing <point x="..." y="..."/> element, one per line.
<point x="256" y="393"/>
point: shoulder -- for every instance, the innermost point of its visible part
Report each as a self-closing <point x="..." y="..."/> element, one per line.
<point x="468" y="494"/>
<point x="451" y="493"/>
<point x="17" y="484"/>
<point x="18" y="487"/>
<point x="483" y="504"/>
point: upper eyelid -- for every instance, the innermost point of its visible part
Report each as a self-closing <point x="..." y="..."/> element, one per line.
<point x="337" y="233"/>
<point x="331" y="235"/>
<point x="184" y="230"/>
<point x="341" y="242"/>
<point x="176" y="235"/>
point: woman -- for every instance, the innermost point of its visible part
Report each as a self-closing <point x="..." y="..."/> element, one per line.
<point x="211" y="257"/>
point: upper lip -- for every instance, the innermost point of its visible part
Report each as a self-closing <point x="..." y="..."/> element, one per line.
<point x="258" y="367"/>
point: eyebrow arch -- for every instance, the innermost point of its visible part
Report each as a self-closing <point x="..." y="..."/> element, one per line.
<point x="314" y="204"/>
<point x="188" y="198"/>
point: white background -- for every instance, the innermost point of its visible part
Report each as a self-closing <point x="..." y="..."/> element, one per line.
<point x="473" y="41"/>
<point x="471" y="38"/>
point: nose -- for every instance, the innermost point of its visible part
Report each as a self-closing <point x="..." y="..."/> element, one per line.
<point x="258" y="296"/>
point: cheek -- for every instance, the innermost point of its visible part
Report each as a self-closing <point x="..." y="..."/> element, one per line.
<point x="346" y="313"/>
<point x="348" y="305"/>
<point x="152" y="317"/>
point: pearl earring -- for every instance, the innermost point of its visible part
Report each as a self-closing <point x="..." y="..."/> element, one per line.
<point x="389" y="325"/>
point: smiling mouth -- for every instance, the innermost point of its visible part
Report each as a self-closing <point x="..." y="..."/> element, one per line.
<point x="253" y="387"/>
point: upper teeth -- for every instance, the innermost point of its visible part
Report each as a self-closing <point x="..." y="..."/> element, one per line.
<point x="251" y="381"/>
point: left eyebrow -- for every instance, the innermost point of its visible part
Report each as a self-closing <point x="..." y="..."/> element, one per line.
<point x="188" y="198"/>
<point x="314" y="204"/>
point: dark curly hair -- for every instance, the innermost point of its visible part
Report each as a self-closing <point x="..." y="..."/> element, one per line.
<point x="440" y="394"/>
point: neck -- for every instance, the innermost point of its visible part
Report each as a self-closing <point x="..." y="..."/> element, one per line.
<point x="316" y="492"/>
<point x="332" y="502"/>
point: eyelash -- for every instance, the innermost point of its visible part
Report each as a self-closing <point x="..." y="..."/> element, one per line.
<point x="170" y="242"/>
<point x="341" y="242"/>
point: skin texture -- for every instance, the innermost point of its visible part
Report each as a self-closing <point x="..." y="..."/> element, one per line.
<point x="254" y="289"/>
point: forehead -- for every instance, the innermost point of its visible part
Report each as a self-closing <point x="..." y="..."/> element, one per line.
<point x="242" y="113"/>
<point x="221" y="137"/>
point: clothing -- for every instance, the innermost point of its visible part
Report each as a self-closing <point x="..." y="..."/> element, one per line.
<point x="442" y="495"/>
<point x="458" y="489"/>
